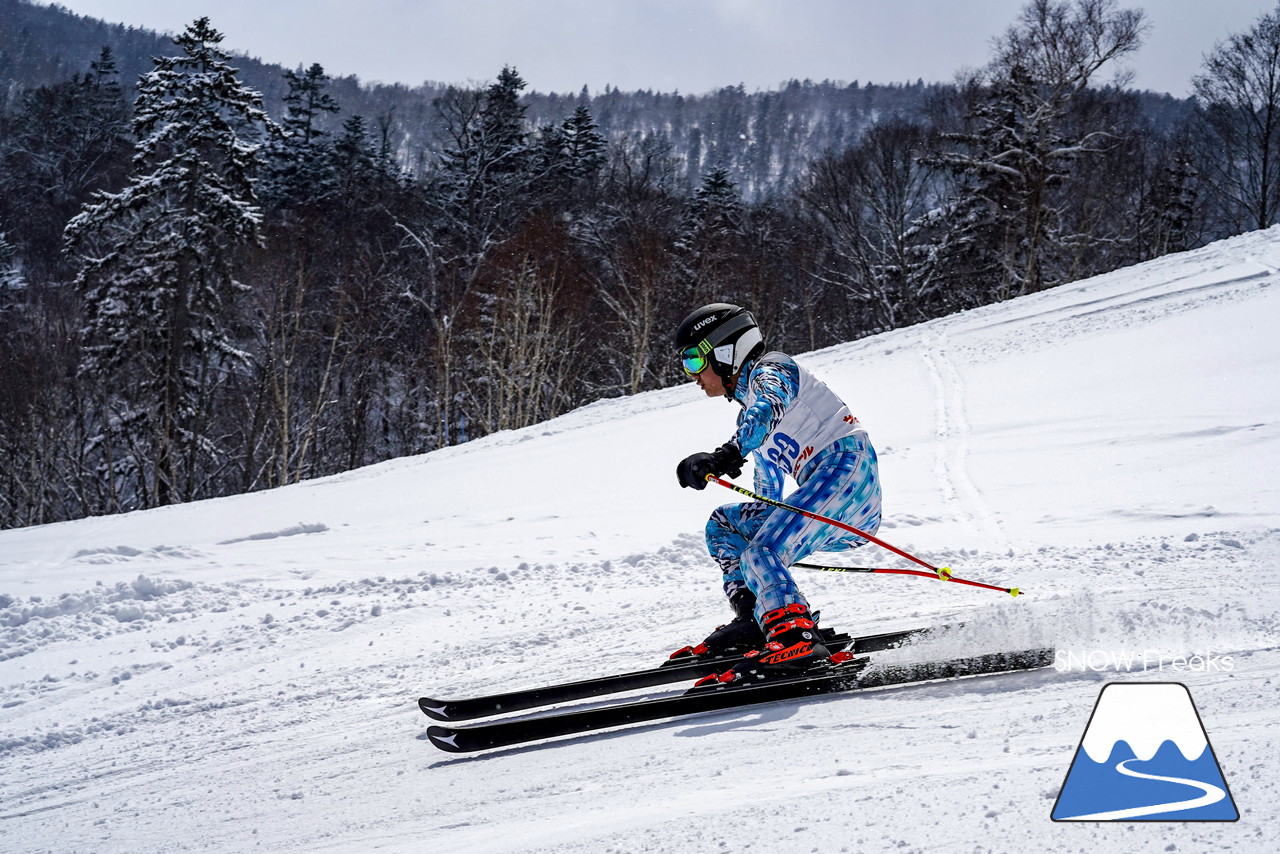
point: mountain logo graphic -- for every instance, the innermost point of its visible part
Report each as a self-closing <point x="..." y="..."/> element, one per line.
<point x="1145" y="756"/>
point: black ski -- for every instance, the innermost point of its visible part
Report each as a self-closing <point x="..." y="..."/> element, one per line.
<point x="532" y="698"/>
<point x="851" y="676"/>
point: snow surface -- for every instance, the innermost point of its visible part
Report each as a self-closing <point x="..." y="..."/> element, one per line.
<point x="241" y="674"/>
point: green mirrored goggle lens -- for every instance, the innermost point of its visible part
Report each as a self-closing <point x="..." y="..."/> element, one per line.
<point x="693" y="361"/>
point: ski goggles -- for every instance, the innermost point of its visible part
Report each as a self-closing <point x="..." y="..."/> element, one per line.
<point x="694" y="360"/>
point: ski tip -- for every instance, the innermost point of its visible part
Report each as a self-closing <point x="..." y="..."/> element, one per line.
<point x="1015" y="592"/>
<point x="437" y="709"/>
<point x="444" y="738"/>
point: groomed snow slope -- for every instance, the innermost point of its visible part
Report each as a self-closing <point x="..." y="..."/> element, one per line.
<point x="240" y="674"/>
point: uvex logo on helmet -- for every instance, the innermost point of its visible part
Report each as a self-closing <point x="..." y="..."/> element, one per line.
<point x="701" y="323"/>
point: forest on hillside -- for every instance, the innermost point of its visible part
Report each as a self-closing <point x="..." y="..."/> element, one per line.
<point x="763" y="138"/>
<point x="216" y="277"/>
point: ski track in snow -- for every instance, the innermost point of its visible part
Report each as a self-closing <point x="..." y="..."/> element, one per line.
<point x="1164" y="298"/>
<point x="251" y="683"/>
<point x="952" y="447"/>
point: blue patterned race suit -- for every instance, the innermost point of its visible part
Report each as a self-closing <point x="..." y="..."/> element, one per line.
<point x="792" y="424"/>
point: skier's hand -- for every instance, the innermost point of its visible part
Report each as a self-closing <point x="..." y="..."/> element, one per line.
<point x="693" y="469"/>
<point x="727" y="460"/>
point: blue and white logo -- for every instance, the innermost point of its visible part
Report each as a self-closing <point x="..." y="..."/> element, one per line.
<point x="1145" y="756"/>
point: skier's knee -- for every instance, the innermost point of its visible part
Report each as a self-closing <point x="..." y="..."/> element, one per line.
<point x="724" y="517"/>
<point x="720" y="527"/>
<point x="760" y="560"/>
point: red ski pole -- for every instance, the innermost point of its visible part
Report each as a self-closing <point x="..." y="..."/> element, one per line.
<point x="1012" y="591"/>
<point x="942" y="573"/>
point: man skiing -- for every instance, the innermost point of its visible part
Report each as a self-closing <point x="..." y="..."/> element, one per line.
<point x="792" y="424"/>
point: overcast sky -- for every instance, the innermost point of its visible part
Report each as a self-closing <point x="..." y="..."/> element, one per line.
<point x="692" y="46"/>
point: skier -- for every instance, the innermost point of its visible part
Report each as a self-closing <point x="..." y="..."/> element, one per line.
<point x="792" y="424"/>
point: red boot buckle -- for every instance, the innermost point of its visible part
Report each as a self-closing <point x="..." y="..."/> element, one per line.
<point x="798" y="623"/>
<point x="778" y="613"/>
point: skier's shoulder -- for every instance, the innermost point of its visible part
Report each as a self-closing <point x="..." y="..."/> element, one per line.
<point x="774" y="364"/>
<point x="774" y="374"/>
<point x="774" y="357"/>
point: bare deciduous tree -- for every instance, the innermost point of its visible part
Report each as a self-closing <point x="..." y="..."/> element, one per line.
<point x="1239" y="92"/>
<point x="866" y="201"/>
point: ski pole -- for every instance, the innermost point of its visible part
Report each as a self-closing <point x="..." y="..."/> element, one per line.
<point x="1012" y="591"/>
<point x="942" y="573"/>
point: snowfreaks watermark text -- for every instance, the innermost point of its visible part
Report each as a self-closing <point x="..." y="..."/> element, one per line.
<point x="1110" y="660"/>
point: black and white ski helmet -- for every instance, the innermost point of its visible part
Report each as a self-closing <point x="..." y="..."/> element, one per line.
<point x="725" y="335"/>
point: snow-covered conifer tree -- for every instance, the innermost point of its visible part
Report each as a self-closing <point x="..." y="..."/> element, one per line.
<point x="301" y="160"/>
<point x="708" y="237"/>
<point x="581" y="147"/>
<point x="486" y="165"/>
<point x="568" y="160"/>
<point x="157" y="261"/>
<point x="503" y="135"/>
<point x="60" y="143"/>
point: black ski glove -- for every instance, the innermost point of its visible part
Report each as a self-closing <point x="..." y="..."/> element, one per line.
<point x="693" y="469"/>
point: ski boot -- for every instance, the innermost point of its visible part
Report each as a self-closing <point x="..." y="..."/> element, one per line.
<point x="793" y="646"/>
<point x="740" y="635"/>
